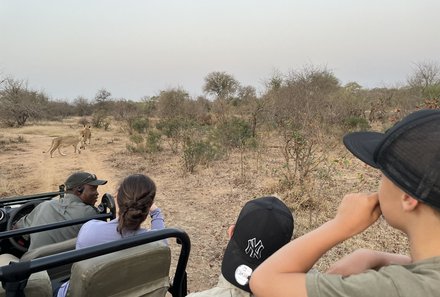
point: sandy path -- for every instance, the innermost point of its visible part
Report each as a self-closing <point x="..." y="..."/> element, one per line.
<point x="43" y="173"/>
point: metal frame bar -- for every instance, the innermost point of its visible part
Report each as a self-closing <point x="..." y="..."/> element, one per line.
<point x="20" y="272"/>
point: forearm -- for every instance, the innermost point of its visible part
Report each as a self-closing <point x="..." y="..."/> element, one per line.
<point x="386" y="259"/>
<point x="157" y="219"/>
<point x="363" y="259"/>
<point x="287" y="267"/>
<point x="302" y="253"/>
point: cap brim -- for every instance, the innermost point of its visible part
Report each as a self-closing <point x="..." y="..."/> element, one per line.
<point x="234" y="260"/>
<point x="97" y="182"/>
<point x="363" y="145"/>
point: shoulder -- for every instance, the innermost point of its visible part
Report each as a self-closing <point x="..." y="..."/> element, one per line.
<point x="96" y="232"/>
<point x="93" y="225"/>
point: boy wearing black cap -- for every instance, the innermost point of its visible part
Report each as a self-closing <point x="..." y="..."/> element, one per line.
<point x="78" y="202"/>
<point x="408" y="155"/>
<point x="263" y="226"/>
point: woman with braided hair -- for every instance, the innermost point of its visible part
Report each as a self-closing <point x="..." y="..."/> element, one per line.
<point x="135" y="199"/>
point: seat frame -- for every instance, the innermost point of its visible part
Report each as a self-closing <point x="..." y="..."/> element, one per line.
<point x="14" y="276"/>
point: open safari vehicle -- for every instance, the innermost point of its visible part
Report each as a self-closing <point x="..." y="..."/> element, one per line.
<point x="135" y="266"/>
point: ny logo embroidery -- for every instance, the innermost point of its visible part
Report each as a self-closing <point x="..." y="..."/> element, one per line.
<point x="254" y="248"/>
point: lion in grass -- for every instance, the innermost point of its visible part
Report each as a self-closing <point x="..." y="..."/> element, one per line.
<point x="63" y="141"/>
<point x="86" y="133"/>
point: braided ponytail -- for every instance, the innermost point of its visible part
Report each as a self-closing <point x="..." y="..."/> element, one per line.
<point x="135" y="197"/>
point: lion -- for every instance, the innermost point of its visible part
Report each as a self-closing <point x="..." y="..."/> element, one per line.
<point x="86" y="133"/>
<point x="63" y="141"/>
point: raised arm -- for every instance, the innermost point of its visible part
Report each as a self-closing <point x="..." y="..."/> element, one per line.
<point x="287" y="267"/>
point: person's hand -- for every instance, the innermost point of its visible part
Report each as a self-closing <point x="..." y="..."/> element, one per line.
<point x="153" y="207"/>
<point x="357" y="212"/>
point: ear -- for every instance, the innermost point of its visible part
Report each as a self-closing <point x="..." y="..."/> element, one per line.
<point x="231" y="231"/>
<point x="409" y="203"/>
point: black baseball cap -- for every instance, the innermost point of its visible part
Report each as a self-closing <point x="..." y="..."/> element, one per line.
<point x="408" y="154"/>
<point x="83" y="178"/>
<point x="263" y="226"/>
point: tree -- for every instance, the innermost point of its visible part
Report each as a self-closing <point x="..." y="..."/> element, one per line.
<point x="102" y="95"/>
<point x="275" y="81"/>
<point x="171" y="103"/>
<point x="426" y="78"/>
<point x="82" y="106"/>
<point x="224" y="87"/>
<point x="221" y="85"/>
<point x="18" y="104"/>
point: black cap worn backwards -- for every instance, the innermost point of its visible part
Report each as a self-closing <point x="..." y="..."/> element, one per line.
<point x="408" y="154"/>
<point x="263" y="226"/>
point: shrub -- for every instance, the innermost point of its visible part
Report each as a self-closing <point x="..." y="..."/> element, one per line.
<point x="83" y="121"/>
<point x="153" y="142"/>
<point x="99" y="119"/>
<point x="233" y="133"/>
<point x="175" y="129"/>
<point x="356" y="123"/>
<point x="198" y="153"/>
<point x="140" y="125"/>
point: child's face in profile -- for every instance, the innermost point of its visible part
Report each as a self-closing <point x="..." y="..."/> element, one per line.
<point x="390" y="202"/>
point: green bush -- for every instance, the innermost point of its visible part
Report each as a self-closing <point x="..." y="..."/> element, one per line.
<point x="175" y="129"/>
<point x="356" y="123"/>
<point x="136" y="138"/>
<point x="198" y="153"/>
<point x="233" y="133"/>
<point x="153" y="142"/>
<point x="140" y="125"/>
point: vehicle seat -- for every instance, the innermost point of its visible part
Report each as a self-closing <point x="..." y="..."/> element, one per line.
<point x="60" y="273"/>
<point x="137" y="271"/>
<point x="38" y="285"/>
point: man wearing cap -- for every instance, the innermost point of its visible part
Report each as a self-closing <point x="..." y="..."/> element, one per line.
<point x="408" y="156"/>
<point x="263" y="226"/>
<point x="78" y="202"/>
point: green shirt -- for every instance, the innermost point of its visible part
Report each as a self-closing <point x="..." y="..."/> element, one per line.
<point x="57" y="210"/>
<point x="418" y="279"/>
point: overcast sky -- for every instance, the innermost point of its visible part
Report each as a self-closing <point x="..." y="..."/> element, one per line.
<point x="135" y="48"/>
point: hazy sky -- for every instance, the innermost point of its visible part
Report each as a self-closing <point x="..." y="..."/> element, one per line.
<point x="136" y="48"/>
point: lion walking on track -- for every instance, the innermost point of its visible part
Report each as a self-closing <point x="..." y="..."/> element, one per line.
<point x="86" y="133"/>
<point x="64" y="141"/>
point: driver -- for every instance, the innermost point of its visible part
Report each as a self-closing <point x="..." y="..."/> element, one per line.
<point x="78" y="202"/>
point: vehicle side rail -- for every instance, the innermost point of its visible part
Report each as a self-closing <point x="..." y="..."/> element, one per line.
<point x="15" y="274"/>
<point x="25" y="198"/>
<point x="35" y="229"/>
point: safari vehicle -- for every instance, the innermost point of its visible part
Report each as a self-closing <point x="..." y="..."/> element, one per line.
<point x="125" y="267"/>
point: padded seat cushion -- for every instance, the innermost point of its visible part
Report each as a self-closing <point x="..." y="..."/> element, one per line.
<point x="138" y="271"/>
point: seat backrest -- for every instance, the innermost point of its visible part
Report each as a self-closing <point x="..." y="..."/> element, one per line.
<point x="138" y="271"/>
<point x="49" y="249"/>
<point x="57" y="274"/>
<point x="38" y="284"/>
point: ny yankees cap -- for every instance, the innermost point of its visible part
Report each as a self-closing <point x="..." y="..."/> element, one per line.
<point x="263" y="226"/>
<point x="408" y="154"/>
<point x="83" y="178"/>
